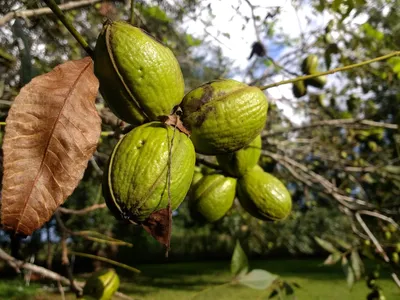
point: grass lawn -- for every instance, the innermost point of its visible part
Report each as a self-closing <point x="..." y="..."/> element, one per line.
<point x="208" y="280"/>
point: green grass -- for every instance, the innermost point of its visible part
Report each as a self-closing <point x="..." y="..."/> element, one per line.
<point x="208" y="280"/>
<point x="16" y="290"/>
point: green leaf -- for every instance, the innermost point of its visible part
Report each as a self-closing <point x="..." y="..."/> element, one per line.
<point x="258" y="279"/>
<point x="239" y="262"/>
<point x="336" y="5"/>
<point x="392" y="169"/>
<point x="356" y="264"/>
<point x="348" y="271"/>
<point x="326" y="245"/>
<point x="333" y="258"/>
<point x="342" y="243"/>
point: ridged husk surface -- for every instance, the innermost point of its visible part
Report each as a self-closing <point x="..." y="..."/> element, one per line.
<point x="264" y="196"/>
<point x="309" y="64"/>
<point x="224" y="115"/>
<point x="237" y="163"/>
<point x="212" y="197"/>
<point x="136" y="180"/>
<point x="140" y="79"/>
<point x="299" y="89"/>
<point x="101" y="285"/>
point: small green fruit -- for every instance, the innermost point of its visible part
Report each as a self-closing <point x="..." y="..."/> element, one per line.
<point x="372" y="146"/>
<point x="388" y="235"/>
<point x="299" y="89"/>
<point x="371" y="283"/>
<point x="237" y="163"/>
<point x="309" y="64"/>
<point x="212" y="197"/>
<point x="367" y="243"/>
<point x="392" y="228"/>
<point x="395" y="257"/>
<point x="101" y="285"/>
<point x="140" y="79"/>
<point x="397" y="247"/>
<point x="136" y="180"/>
<point x="263" y="195"/>
<point x="224" y="115"/>
<point x="318" y="82"/>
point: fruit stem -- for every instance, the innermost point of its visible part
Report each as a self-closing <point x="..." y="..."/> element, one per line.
<point x="61" y="16"/>
<point x="345" y="68"/>
<point x="132" y="19"/>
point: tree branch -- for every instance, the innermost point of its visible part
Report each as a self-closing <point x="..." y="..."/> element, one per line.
<point x="45" y="10"/>
<point x="345" y="68"/>
<point x="18" y="264"/>
<point x="333" y="123"/>
<point x="83" y="211"/>
<point x="67" y="23"/>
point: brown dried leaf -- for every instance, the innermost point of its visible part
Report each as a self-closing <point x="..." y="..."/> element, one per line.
<point x="52" y="131"/>
<point x="159" y="226"/>
<point x="175" y="121"/>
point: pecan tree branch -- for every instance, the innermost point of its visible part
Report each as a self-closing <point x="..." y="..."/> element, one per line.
<point x="332" y="123"/>
<point x="18" y="264"/>
<point x="83" y="211"/>
<point x="45" y="10"/>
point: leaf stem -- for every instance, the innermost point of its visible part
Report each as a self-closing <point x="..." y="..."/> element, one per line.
<point x="345" y="68"/>
<point x="61" y="16"/>
<point x="110" y="261"/>
<point x="132" y="19"/>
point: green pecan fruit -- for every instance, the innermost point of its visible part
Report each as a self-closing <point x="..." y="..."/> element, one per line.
<point x="224" y="115"/>
<point x="264" y="196"/>
<point x="212" y="197"/>
<point x="309" y="64"/>
<point x="299" y="89"/>
<point x="140" y="79"/>
<point x="318" y="82"/>
<point x="237" y="163"/>
<point x="136" y="180"/>
<point x="101" y="285"/>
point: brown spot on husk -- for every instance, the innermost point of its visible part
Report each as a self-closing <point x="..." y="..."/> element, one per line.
<point x="198" y="103"/>
<point x="201" y="117"/>
<point x="175" y="121"/>
<point x="159" y="225"/>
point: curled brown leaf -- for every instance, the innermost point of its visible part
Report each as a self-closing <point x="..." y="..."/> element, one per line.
<point x="52" y="131"/>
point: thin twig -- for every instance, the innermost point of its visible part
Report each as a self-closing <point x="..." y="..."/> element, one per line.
<point x="61" y="290"/>
<point x="67" y="23"/>
<point x="345" y="68"/>
<point x="44" y="11"/>
<point x="379" y="216"/>
<point x="132" y="19"/>
<point x="19" y="264"/>
<point x="377" y="245"/>
<point x="333" y="123"/>
<point x="104" y="259"/>
<point x="83" y="211"/>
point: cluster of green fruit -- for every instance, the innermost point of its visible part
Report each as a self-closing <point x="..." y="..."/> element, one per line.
<point x="151" y="167"/>
<point x="101" y="285"/>
<point x="309" y="66"/>
<point x="261" y="194"/>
